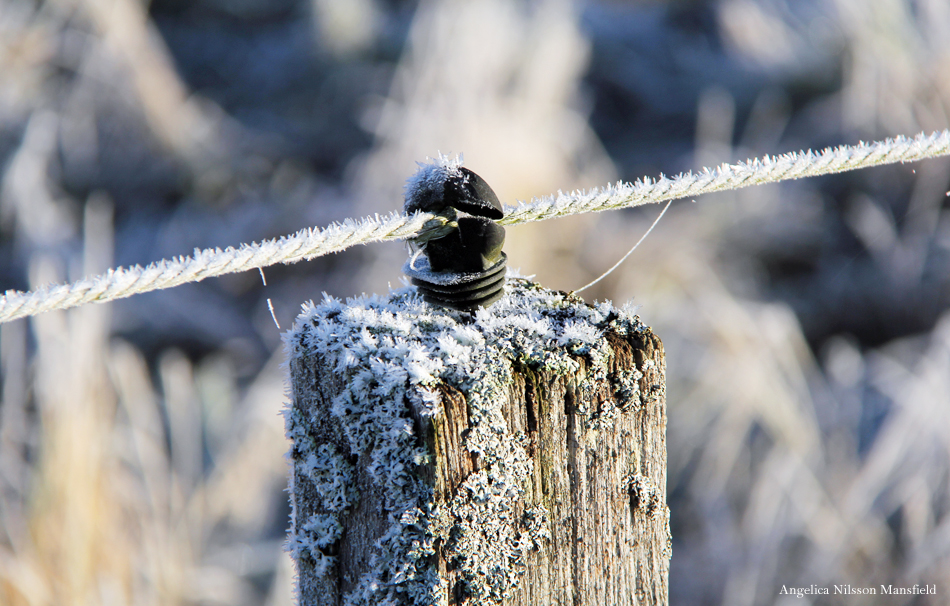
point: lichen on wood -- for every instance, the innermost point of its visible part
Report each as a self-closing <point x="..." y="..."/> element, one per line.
<point x="515" y="455"/>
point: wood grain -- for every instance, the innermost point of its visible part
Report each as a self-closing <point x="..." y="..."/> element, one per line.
<point x="597" y="442"/>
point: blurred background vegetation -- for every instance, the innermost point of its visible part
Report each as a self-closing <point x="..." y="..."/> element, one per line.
<point x="806" y="325"/>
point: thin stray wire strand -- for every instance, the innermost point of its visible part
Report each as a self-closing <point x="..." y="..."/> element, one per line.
<point x="311" y="243"/>
<point x="629" y="252"/>
<point x="270" y="306"/>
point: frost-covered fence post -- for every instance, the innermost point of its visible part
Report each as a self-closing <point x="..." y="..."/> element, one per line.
<point x="515" y="455"/>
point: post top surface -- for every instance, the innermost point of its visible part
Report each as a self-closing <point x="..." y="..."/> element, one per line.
<point x="529" y="318"/>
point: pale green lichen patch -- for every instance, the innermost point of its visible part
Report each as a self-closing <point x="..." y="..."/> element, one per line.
<point x="391" y="354"/>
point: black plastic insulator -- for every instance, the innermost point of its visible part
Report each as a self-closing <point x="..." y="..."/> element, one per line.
<point x="464" y="269"/>
<point x="458" y="290"/>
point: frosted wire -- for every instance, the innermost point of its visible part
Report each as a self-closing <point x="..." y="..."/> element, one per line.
<point x="310" y="243"/>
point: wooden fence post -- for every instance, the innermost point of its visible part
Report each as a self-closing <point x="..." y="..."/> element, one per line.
<point x="516" y="455"/>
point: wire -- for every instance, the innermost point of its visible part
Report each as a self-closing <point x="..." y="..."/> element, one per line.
<point x="629" y="252"/>
<point x="311" y="243"/>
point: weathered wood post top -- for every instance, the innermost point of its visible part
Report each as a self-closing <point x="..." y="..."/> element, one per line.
<point x="475" y="439"/>
<point x="514" y="454"/>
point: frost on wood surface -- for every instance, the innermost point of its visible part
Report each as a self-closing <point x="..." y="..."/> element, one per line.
<point x="367" y="374"/>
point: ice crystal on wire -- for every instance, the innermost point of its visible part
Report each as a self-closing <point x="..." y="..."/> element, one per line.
<point x="392" y="355"/>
